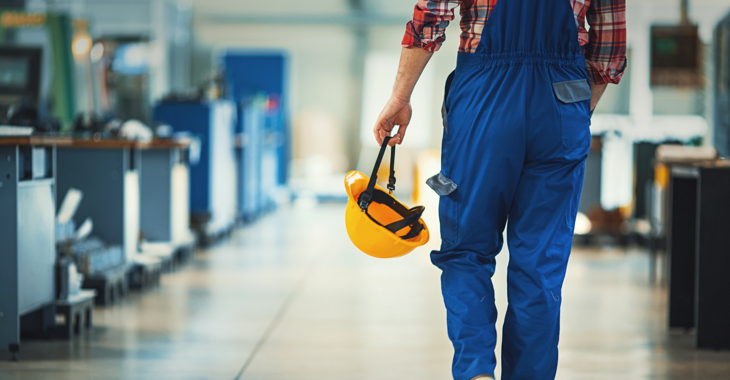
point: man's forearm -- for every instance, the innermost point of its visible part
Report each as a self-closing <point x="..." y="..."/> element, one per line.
<point x="412" y="62"/>
<point x="596" y="93"/>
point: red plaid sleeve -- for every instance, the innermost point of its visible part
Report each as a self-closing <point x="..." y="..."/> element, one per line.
<point x="606" y="39"/>
<point x="430" y="19"/>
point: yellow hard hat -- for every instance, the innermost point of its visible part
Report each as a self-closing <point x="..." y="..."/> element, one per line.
<point x="377" y="223"/>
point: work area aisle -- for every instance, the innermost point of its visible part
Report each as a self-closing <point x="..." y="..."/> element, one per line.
<point x="290" y="298"/>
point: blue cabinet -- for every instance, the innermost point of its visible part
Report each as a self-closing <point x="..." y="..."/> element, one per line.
<point x="257" y="81"/>
<point x="250" y="144"/>
<point x="212" y="166"/>
<point x="27" y="225"/>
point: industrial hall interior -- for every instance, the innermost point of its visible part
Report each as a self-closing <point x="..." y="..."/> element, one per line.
<point x="364" y="189"/>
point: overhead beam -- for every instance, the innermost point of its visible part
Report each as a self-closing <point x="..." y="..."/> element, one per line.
<point x="352" y="19"/>
<point x="357" y="5"/>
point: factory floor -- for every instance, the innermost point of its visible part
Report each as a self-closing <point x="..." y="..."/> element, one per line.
<point x="290" y="298"/>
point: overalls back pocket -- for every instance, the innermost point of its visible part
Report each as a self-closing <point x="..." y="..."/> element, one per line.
<point x="448" y="206"/>
<point x="574" y="104"/>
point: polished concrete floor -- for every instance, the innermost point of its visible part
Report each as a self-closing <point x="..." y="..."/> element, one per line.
<point x="290" y="298"/>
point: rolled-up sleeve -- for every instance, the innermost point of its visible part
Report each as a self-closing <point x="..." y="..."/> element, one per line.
<point x="430" y="19"/>
<point x="606" y="47"/>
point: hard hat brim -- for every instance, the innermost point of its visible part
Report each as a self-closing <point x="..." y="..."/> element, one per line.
<point x="371" y="236"/>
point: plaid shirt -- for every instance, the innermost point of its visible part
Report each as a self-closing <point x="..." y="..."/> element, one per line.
<point x="604" y="45"/>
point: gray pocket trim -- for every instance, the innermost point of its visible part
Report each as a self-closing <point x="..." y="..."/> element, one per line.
<point x="572" y="91"/>
<point x="445" y="115"/>
<point x="441" y="185"/>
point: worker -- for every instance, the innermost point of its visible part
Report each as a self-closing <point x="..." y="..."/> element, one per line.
<point x="516" y="136"/>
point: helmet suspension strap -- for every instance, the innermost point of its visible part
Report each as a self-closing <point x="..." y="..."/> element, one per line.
<point x="367" y="195"/>
<point x="391" y="180"/>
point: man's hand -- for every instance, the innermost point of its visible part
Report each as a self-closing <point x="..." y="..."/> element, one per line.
<point x="398" y="109"/>
<point x="396" y="112"/>
<point x="596" y="92"/>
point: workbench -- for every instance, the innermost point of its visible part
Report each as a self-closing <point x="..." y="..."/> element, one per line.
<point x="212" y="170"/>
<point x="165" y="196"/>
<point x="699" y="251"/>
<point x="27" y="219"/>
<point x="107" y="173"/>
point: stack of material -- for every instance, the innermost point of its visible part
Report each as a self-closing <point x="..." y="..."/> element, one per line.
<point x="102" y="265"/>
<point x="92" y="256"/>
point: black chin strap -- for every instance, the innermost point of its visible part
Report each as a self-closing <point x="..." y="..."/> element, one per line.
<point x="391" y="179"/>
<point x="410" y="217"/>
<point x="371" y="194"/>
<point x="367" y="196"/>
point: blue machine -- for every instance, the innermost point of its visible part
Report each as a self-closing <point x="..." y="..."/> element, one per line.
<point x="275" y="153"/>
<point x="212" y="169"/>
<point x="250" y="144"/>
<point x="257" y="84"/>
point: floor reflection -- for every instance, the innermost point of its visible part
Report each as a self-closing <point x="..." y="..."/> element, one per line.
<point x="334" y="313"/>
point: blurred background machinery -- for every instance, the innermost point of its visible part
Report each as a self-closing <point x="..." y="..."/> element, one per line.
<point x="167" y="123"/>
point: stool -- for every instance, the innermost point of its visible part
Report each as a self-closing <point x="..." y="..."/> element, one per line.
<point x="146" y="272"/>
<point x="110" y="285"/>
<point x="77" y="311"/>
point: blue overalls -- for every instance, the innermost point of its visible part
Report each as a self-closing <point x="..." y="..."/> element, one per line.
<point x="516" y="136"/>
